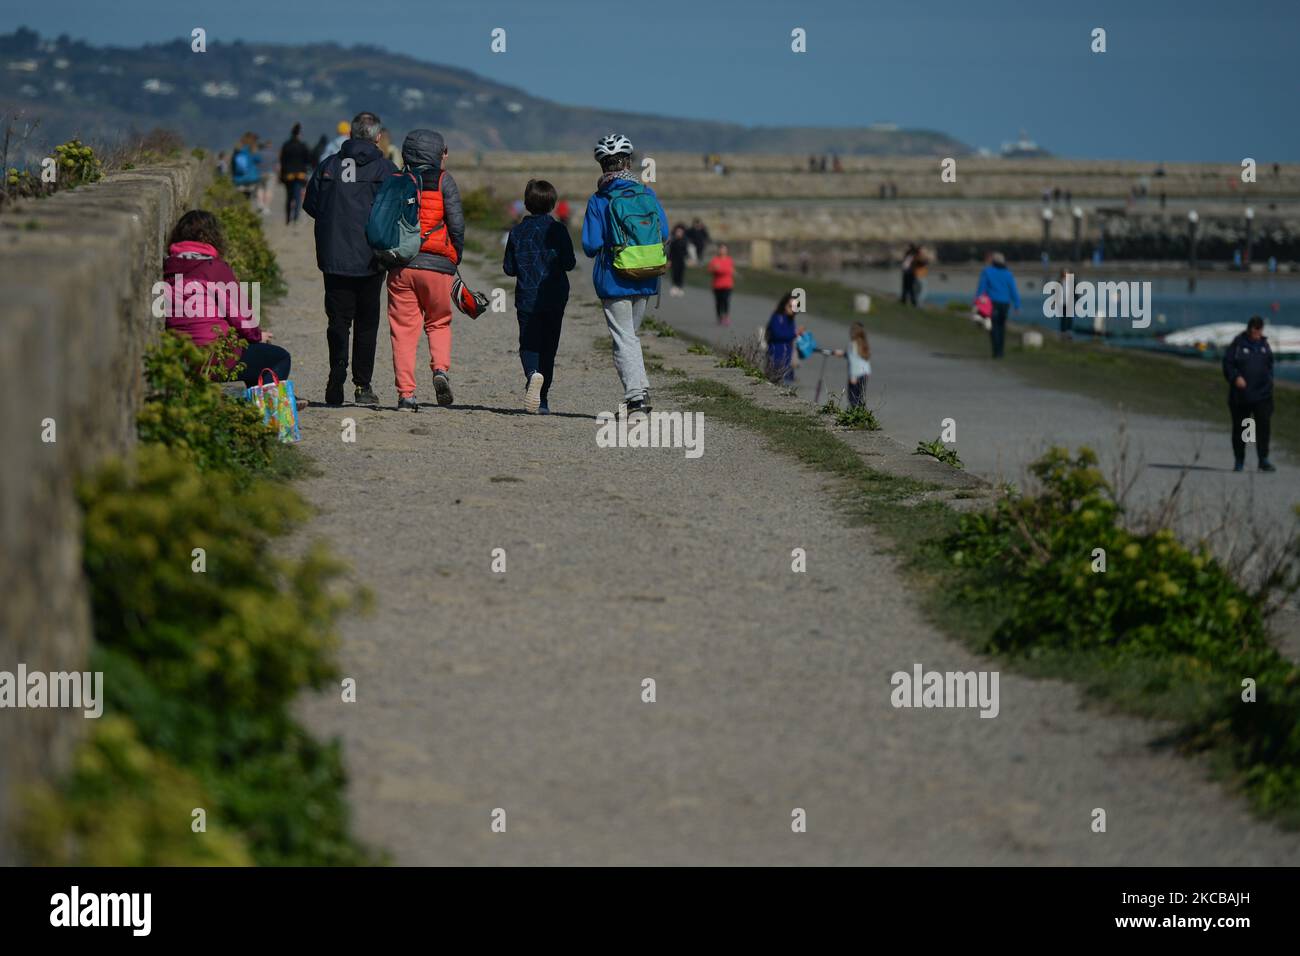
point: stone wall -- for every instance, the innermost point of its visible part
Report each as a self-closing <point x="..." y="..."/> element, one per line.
<point x="75" y="275"/>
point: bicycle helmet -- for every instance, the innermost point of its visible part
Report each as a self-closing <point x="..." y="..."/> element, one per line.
<point x="615" y="144"/>
<point x="466" y="300"/>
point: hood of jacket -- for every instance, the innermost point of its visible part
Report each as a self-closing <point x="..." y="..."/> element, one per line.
<point x="188" y="257"/>
<point x="363" y="151"/>
<point x="423" y="147"/>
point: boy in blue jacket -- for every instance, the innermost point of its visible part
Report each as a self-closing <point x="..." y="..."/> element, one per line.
<point x="624" y="299"/>
<point x="538" y="254"/>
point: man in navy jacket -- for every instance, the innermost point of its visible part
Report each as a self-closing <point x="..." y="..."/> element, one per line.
<point x="1248" y="367"/>
<point x="339" y="197"/>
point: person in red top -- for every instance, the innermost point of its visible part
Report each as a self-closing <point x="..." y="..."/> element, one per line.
<point x="723" y="270"/>
<point x="204" y="300"/>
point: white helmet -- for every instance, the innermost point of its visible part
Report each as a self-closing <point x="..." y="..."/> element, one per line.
<point x="615" y="144"/>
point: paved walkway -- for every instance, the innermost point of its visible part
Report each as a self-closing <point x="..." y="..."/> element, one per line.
<point x="1004" y="423"/>
<point x="522" y="690"/>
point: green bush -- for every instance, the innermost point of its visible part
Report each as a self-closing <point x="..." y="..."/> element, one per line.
<point x="77" y="164"/>
<point x="207" y="662"/>
<point x="247" y="251"/>
<point x="125" y="805"/>
<point x="1156" y="595"/>
<point x="937" y="449"/>
<point x="1163" y="618"/>
<point x="855" y="416"/>
<point x="189" y="414"/>
<point x="249" y="630"/>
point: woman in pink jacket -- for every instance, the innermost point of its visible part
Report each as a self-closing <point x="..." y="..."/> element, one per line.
<point x="204" y="300"/>
<point x="723" y="270"/>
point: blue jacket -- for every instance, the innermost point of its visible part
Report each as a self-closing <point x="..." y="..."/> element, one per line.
<point x="595" y="238"/>
<point x="538" y="254"/>
<point x="1252" y="361"/>
<point x="781" y="333"/>
<point x="252" y="173"/>
<point x="1000" y="284"/>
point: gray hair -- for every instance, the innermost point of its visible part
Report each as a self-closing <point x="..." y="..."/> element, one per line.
<point x="366" y="126"/>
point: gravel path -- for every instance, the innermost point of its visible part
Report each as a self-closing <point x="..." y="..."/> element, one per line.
<point x="522" y="690"/>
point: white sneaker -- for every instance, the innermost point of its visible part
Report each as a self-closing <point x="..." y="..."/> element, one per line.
<point x="533" y="394"/>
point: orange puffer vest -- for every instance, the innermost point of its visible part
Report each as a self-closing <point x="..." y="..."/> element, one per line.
<point x="437" y="240"/>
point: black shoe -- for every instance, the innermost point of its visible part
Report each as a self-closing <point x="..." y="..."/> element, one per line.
<point x="442" y="388"/>
<point x="404" y="403"/>
<point x="334" y="387"/>
<point x="1267" y="465"/>
<point x="1239" y="466"/>
<point x="637" y="407"/>
<point x="364" y="396"/>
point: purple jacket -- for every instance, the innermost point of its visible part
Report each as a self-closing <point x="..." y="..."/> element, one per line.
<point x="209" y="287"/>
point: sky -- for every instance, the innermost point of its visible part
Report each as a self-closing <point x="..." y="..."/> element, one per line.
<point x="1190" y="80"/>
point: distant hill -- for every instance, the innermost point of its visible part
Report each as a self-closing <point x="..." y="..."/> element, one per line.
<point x="100" y="93"/>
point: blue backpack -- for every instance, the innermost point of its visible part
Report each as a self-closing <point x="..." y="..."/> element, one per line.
<point x="241" y="165"/>
<point x="393" y="229"/>
<point x="636" y="240"/>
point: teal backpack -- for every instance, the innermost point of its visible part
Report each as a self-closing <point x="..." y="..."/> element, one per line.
<point x="393" y="228"/>
<point x="637" y="233"/>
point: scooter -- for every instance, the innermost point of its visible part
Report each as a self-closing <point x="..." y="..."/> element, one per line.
<point x="817" y="395"/>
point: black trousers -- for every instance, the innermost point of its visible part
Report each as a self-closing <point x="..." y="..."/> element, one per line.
<point x="352" y="304"/>
<point x="1262" y="412"/>
<point x="857" y="392"/>
<point x="260" y="357"/>
<point x="722" y="302"/>
<point x="539" y="340"/>
<point x="998" y="332"/>
<point x="909" y="289"/>
<point x="678" y="267"/>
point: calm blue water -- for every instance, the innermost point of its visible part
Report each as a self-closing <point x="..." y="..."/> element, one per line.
<point x="1216" y="298"/>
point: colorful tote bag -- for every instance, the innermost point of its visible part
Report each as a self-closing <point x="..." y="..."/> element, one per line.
<point x="278" y="404"/>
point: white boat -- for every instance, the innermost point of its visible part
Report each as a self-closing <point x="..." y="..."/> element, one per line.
<point x="1219" y="335"/>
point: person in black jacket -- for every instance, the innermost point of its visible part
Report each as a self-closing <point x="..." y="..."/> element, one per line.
<point x="1248" y="367"/>
<point x="339" y="197"/>
<point x="295" y="167"/>
<point x="677" y="256"/>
